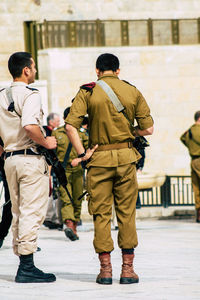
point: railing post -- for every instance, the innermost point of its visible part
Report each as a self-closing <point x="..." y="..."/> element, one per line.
<point x="30" y="34"/>
<point x="72" y="33"/>
<point x="166" y="192"/>
<point x="46" y="34"/>
<point x="175" y="31"/>
<point x="150" y="31"/>
<point x="98" y="33"/>
<point x="198" y="25"/>
<point x="124" y="33"/>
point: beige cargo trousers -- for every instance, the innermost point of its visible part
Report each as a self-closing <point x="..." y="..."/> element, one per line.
<point x="28" y="181"/>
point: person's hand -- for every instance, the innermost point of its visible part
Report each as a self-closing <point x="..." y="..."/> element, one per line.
<point x="51" y="142"/>
<point x="88" y="154"/>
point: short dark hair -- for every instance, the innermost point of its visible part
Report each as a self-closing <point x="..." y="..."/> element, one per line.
<point x="66" y="112"/>
<point x="50" y="117"/>
<point x="17" y="62"/>
<point x="106" y="62"/>
<point x="197" y="115"/>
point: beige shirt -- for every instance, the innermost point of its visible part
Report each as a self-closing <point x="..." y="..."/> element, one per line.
<point x="27" y="104"/>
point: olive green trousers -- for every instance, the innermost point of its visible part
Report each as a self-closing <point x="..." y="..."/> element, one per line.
<point x="195" y="173"/>
<point x="75" y="187"/>
<point x="106" y="186"/>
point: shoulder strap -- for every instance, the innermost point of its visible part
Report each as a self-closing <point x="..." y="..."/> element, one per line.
<point x="114" y="99"/>
<point x="66" y="158"/>
<point x="11" y="106"/>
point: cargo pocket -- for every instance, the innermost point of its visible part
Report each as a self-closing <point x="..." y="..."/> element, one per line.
<point x="89" y="196"/>
<point x="89" y="204"/>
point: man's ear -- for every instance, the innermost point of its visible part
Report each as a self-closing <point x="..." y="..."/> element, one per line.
<point x="97" y="72"/>
<point x="117" y="71"/>
<point x="26" y="71"/>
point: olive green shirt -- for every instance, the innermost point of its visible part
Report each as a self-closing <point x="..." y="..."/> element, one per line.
<point x="63" y="143"/>
<point x="106" y="125"/>
<point x="192" y="141"/>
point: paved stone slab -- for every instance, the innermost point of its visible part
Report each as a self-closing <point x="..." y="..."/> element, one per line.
<point x="167" y="261"/>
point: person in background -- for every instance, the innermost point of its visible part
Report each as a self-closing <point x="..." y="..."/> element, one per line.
<point x="70" y="212"/>
<point x="53" y="121"/>
<point x="52" y="219"/>
<point x="191" y="139"/>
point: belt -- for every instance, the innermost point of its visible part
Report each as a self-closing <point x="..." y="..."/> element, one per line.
<point x="195" y="156"/>
<point x="114" y="146"/>
<point x="18" y="152"/>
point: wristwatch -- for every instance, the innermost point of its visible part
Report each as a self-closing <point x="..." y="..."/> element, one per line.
<point x="81" y="155"/>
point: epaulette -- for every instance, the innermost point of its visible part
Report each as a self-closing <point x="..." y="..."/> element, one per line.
<point x="128" y="82"/>
<point x="88" y="86"/>
<point x="2" y="90"/>
<point x="32" y="89"/>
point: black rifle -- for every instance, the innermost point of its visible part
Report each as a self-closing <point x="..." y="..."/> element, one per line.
<point x="140" y="143"/>
<point x="57" y="167"/>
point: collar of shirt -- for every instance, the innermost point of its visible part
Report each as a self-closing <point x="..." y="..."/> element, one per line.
<point x="108" y="75"/>
<point x="18" y="83"/>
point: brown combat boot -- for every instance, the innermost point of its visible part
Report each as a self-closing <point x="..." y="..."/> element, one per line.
<point x="128" y="275"/>
<point x="198" y="215"/>
<point x="70" y="231"/>
<point x="105" y="275"/>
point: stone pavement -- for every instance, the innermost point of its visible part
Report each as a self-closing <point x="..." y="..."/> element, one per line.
<point x="167" y="261"/>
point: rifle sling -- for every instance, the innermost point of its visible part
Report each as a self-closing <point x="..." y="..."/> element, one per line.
<point x="114" y="99"/>
<point x="66" y="158"/>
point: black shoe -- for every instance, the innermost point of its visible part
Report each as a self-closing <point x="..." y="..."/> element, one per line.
<point x="60" y="227"/>
<point x="1" y="243"/>
<point x="70" y="234"/>
<point x="50" y="225"/>
<point x="28" y="273"/>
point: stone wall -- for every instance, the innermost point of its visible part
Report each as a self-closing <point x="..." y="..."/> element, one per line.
<point x="14" y="12"/>
<point x="168" y="77"/>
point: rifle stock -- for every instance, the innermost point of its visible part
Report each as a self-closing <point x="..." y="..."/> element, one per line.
<point x="52" y="160"/>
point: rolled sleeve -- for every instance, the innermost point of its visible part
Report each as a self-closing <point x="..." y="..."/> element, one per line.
<point x="142" y="114"/>
<point x="78" y="110"/>
<point x="31" y="110"/>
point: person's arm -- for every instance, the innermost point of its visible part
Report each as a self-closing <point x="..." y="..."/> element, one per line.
<point x="74" y="138"/>
<point x="140" y="132"/>
<point x="35" y="134"/>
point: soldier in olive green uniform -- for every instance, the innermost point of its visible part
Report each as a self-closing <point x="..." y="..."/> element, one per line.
<point x="70" y="212"/>
<point x="191" y="139"/>
<point x="111" y="174"/>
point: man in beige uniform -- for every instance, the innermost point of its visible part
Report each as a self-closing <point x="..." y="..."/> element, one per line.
<point x="191" y="139"/>
<point x="26" y="170"/>
<point x="111" y="168"/>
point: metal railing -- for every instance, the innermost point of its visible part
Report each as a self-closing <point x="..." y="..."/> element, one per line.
<point x="176" y="191"/>
<point x="109" y="33"/>
<point x="95" y="33"/>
